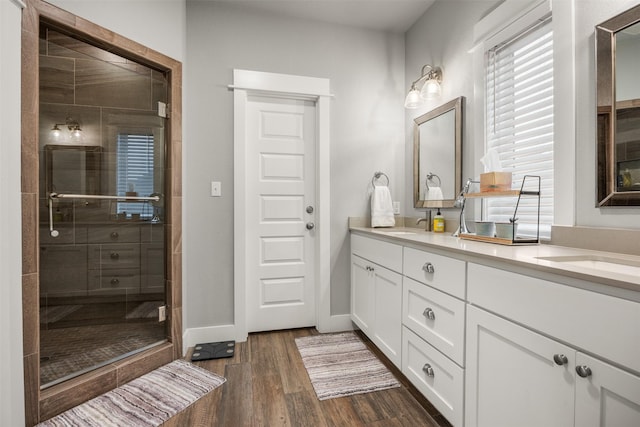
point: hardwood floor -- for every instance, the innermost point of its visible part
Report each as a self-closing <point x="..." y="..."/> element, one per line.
<point x="267" y="385"/>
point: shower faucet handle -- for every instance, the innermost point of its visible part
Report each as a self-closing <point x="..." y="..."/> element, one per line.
<point x="114" y="235"/>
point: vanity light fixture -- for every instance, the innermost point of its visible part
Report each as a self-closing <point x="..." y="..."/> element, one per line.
<point x="425" y="87"/>
<point x="75" y="131"/>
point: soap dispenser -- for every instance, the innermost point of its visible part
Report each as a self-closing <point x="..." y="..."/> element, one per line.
<point x="438" y="222"/>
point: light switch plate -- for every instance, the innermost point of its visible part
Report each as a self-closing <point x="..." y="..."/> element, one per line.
<point x="216" y="189"/>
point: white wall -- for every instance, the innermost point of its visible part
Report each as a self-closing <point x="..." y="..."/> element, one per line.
<point x="11" y="383"/>
<point x="366" y="69"/>
<point x="443" y="36"/>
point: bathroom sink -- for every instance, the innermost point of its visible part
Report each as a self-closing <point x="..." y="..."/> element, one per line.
<point x="593" y="262"/>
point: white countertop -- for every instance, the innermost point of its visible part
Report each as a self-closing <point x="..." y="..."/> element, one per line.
<point x="620" y="270"/>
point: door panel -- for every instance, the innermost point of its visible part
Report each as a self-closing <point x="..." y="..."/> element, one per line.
<point x="280" y="164"/>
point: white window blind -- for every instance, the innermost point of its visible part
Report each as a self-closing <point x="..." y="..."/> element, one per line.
<point x="519" y="123"/>
<point x="135" y="171"/>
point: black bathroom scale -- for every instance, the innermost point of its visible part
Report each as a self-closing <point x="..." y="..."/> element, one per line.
<point x="213" y="350"/>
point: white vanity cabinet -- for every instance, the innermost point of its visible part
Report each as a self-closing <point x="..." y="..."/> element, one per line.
<point x="376" y="293"/>
<point x="529" y="363"/>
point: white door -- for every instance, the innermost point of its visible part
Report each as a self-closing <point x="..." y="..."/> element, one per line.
<point x="606" y="396"/>
<point x="512" y="378"/>
<point x="280" y="162"/>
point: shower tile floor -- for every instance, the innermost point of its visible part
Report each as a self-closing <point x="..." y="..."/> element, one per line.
<point x="79" y="337"/>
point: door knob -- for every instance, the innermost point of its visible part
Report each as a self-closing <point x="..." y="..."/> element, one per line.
<point x="309" y="209"/>
<point x="428" y="267"/>
<point x="584" y="371"/>
<point x="560" y="359"/>
<point x="310" y="226"/>
<point x="427" y="369"/>
<point x="429" y="314"/>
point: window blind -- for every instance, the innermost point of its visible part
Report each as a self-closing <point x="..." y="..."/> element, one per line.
<point x="519" y="123"/>
<point x="135" y="170"/>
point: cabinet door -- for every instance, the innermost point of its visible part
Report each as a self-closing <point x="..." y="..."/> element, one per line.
<point x="387" y="312"/>
<point x="361" y="293"/>
<point x="608" y="397"/>
<point x="511" y="376"/>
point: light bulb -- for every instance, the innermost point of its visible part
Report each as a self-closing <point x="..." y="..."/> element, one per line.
<point x="413" y="99"/>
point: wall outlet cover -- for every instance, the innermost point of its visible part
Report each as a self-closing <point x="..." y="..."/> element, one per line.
<point x="396" y="208"/>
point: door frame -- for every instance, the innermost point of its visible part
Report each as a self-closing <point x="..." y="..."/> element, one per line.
<point x="245" y="84"/>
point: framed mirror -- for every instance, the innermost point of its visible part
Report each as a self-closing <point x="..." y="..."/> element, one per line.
<point x="618" y="110"/>
<point x="73" y="169"/>
<point x="437" y="156"/>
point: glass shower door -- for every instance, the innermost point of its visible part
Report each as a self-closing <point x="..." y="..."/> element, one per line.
<point x="102" y="184"/>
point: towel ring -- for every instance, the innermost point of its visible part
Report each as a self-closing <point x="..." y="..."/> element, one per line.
<point x="430" y="177"/>
<point x="378" y="175"/>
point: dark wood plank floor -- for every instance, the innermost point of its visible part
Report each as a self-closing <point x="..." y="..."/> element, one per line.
<point x="267" y="385"/>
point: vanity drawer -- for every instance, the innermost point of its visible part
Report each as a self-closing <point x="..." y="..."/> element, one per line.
<point x="114" y="280"/>
<point x="114" y="256"/>
<point x="604" y="325"/>
<point x="439" y="379"/>
<point x="448" y="274"/>
<point x="436" y="317"/>
<point x="382" y="253"/>
<point x="114" y="234"/>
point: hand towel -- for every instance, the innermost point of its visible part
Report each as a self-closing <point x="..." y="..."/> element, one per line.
<point x="434" y="193"/>
<point x="382" y="207"/>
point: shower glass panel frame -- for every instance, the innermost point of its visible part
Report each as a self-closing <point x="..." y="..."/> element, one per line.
<point x="102" y="258"/>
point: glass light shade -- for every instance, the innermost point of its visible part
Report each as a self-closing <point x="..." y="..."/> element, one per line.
<point x="413" y="99"/>
<point x="55" y="133"/>
<point x="430" y="90"/>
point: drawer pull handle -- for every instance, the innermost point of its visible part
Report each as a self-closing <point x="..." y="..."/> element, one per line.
<point x="369" y="268"/>
<point x="115" y="282"/>
<point x="429" y="313"/>
<point x="584" y="371"/>
<point x="427" y="369"/>
<point x="115" y="255"/>
<point x="428" y="267"/>
<point x="560" y="359"/>
<point x="115" y="235"/>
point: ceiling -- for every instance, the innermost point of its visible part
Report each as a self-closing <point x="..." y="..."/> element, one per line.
<point x="385" y="15"/>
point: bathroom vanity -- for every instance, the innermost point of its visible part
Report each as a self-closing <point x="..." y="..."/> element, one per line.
<point x="499" y="335"/>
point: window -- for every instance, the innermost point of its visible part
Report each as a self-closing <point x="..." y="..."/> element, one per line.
<point x="519" y="122"/>
<point x="135" y="171"/>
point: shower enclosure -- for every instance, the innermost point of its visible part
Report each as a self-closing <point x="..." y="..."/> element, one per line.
<point x="102" y="206"/>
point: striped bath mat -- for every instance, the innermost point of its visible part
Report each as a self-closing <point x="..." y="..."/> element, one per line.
<point x="146" y="401"/>
<point x="342" y="365"/>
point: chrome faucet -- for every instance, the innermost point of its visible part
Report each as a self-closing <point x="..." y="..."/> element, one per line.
<point x="427" y="218"/>
<point x="460" y="202"/>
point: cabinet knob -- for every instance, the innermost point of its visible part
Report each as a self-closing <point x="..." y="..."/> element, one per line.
<point x="115" y="282"/>
<point x="560" y="359"/>
<point x="584" y="371"/>
<point x="114" y="235"/>
<point x="428" y="267"/>
<point x="429" y="313"/>
<point x="427" y="369"/>
<point x="115" y="255"/>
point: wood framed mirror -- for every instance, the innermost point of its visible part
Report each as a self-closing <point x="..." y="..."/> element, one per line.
<point x="437" y="155"/>
<point x="618" y="110"/>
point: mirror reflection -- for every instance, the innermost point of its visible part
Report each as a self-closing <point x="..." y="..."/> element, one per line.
<point x="438" y="156"/>
<point x="618" y="100"/>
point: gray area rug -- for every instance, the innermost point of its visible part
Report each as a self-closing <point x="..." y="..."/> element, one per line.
<point x="342" y="365"/>
<point x="147" y="401"/>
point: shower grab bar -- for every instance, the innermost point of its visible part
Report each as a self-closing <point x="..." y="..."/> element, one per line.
<point x="56" y="233"/>
<point x="101" y="197"/>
